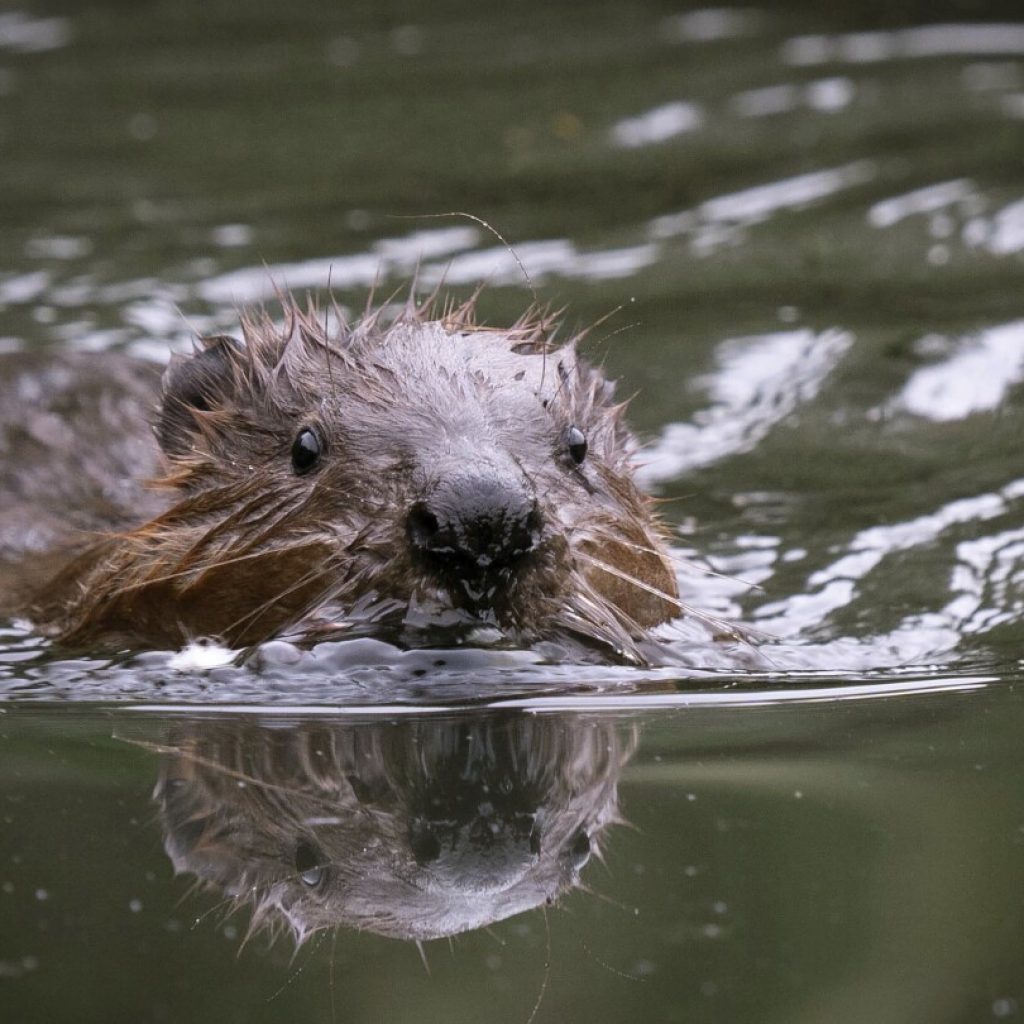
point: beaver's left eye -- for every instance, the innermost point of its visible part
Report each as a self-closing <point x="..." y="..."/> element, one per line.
<point x="306" y="450"/>
<point x="576" y="442"/>
<point x="309" y="865"/>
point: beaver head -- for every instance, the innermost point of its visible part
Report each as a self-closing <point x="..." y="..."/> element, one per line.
<point x="426" y="471"/>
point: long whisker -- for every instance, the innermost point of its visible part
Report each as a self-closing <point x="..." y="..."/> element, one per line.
<point x="275" y="521"/>
<point x="240" y="776"/>
<point x="632" y="580"/>
<point x="228" y="902"/>
<point x="547" y="969"/>
<point x="618" y="330"/>
<point x="330" y="370"/>
<point x="590" y="616"/>
<point x="295" y="973"/>
<point x="519" y="263"/>
<point x="694" y="566"/>
<point x="705" y="571"/>
<point x="729" y="629"/>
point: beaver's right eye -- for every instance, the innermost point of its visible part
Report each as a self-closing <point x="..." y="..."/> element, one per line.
<point x="306" y="451"/>
<point x="580" y="850"/>
<point x="576" y="442"/>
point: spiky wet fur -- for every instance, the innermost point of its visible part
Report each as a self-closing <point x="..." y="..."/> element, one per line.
<point x="248" y="550"/>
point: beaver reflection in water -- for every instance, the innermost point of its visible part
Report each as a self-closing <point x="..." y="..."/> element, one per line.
<point x="414" y="829"/>
<point x="423" y="471"/>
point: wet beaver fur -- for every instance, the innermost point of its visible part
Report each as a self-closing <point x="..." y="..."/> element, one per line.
<point x="422" y="470"/>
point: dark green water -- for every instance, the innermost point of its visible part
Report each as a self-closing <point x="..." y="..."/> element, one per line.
<point x="814" y="224"/>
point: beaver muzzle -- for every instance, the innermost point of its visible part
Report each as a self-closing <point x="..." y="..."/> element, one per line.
<point x="474" y="522"/>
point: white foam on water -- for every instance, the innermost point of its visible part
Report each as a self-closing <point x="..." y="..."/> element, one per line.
<point x="199" y="657"/>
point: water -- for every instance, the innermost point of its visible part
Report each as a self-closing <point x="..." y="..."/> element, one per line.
<point x="813" y="225"/>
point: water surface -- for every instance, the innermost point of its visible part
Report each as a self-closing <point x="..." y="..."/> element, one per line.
<point x="812" y="225"/>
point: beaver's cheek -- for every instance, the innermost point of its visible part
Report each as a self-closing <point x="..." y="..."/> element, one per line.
<point x="246" y="603"/>
<point x="633" y="576"/>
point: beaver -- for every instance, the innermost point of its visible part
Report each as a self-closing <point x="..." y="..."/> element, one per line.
<point x="410" y="466"/>
<point x="414" y="829"/>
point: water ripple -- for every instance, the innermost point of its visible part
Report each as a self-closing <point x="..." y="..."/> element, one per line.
<point x="758" y="383"/>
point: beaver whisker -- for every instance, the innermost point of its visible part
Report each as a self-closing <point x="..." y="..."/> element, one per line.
<point x="612" y="611"/>
<point x="699" y="567"/>
<point x="631" y="580"/>
<point x="335" y="593"/>
<point x="225" y="907"/>
<point x="316" y="573"/>
<point x="588" y="618"/>
<point x="633" y="546"/>
<point x="705" y="570"/>
<point x="722" y="626"/>
<point x="197" y="886"/>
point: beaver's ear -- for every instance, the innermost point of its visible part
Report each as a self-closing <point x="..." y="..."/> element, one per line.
<point x="202" y="382"/>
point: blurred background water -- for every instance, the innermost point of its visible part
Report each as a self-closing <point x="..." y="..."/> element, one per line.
<point x="811" y="221"/>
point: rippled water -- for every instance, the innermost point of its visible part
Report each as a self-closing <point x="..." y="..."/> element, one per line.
<point x="812" y="225"/>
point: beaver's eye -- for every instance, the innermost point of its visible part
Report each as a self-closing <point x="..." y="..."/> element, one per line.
<point x="308" y="863"/>
<point x="306" y="450"/>
<point x="580" y="850"/>
<point x="576" y="442"/>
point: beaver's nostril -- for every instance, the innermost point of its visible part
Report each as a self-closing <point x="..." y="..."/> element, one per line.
<point x="424" y="843"/>
<point x="423" y="525"/>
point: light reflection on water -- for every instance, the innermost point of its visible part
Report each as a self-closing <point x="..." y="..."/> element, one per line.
<point x="925" y="41"/>
<point x="976" y="377"/>
<point x="757" y="384"/>
<point x="611" y="702"/>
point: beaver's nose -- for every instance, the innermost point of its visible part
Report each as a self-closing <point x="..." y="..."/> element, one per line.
<point x="475" y="521"/>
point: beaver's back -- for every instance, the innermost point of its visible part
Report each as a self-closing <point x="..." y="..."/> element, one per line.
<point x="76" y="448"/>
